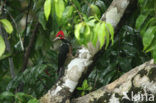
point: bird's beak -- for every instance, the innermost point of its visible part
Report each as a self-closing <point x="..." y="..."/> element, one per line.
<point x="57" y="38"/>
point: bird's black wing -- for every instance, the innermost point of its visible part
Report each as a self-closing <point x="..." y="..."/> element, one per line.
<point x="63" y="51"/>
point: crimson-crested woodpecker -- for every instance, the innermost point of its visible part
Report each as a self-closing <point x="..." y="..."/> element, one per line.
<point x="65" y="51"/>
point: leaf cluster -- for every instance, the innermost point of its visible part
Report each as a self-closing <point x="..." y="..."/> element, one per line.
<point x="146" y="24"/>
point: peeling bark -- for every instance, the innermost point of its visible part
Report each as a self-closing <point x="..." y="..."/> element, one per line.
<point x="138" y="82"/>
<point x="63" y="89"/>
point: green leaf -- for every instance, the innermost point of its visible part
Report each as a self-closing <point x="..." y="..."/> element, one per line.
<point x="151" y="22"/>
<point x="85" y="85"/>
<point x="82" y="93"/>
<point x="7" y="25"/>
<point x="87" y="32"/>
<point x="67" y="13"/>
<point x="94" y="10"/>
<point x="47" y="8"/>
<point x="79" y="88"/>
<point x="101" y="5"/>
<point x="152" y="45"/>
<point x="34" y="100"/>
<point x="107" y="39"/>
<point x="2" y="46"/>
<point x="91" y="22"/>
<point x="96" y="32"/>
<point x="59" y="8"/>
<point x="77" y="30"/>
<point x="6" y="94"/>
<point x="4" y="56"/>
<point x="20" y="94"/>
<point x="102" y="34"/>
<point x="42" y="20"/>
<point x="111" y="31"/>
<point x="77" y="4"/>
<point x="140" y="20"/>
<point x="89" y="88"/>
<point x="148" y="37"/>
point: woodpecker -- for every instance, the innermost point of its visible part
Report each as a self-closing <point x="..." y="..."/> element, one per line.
<point x="65" y="51"/>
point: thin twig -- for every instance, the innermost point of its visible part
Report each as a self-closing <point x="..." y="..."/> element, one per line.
<point x="26" y="21"/>
<point x="77" y="11"/>
<point x="16" y="28"/>
<point x="29" y="48"/>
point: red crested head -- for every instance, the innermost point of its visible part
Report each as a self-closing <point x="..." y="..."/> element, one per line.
<point x="60" y="34"/>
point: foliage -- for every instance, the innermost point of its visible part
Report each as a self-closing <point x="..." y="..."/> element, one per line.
<point x="47" y="8"/>
<point x="146" y="24"/>
<point x="7" y="25"/>
<point x="2" y="46"/>
<point x="94" y="30"/>
<point x="81" y="17"/>
<point x="19" y="97"/>
<point x="9" y="29"/>
<point x="33" y="79"/>
<point x="125" y="54"/>
<point x="85" y="87"/>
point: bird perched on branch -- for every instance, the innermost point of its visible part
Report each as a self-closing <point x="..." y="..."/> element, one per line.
<point x="65" y="51"/>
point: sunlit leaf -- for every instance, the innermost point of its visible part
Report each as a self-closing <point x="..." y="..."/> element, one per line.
<point x="107" y="39"/>
<point x="96" y="32"/>
<point x="85" y="84"/>
<point x="111" y="31"/>
<point x="77" y="30"/>
<point x="7" y="25"/>
<point x="2" y="46"/>
<point x="47" y="8"/>
<point x="148" y="36"/>
<point x="59" y="8"/>
<point x="87" y="32"/>
<point x="102" y="34"/>
<point x="91" y="22"/>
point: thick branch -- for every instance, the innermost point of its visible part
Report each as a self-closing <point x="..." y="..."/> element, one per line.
<point x="141" y="78"/>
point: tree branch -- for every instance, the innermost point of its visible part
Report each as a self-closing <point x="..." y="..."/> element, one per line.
<point x="64" y="88"/>
<point x="7" y="43"/>
<point x="141" y="78"/>
<point x="28" y="50"/>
